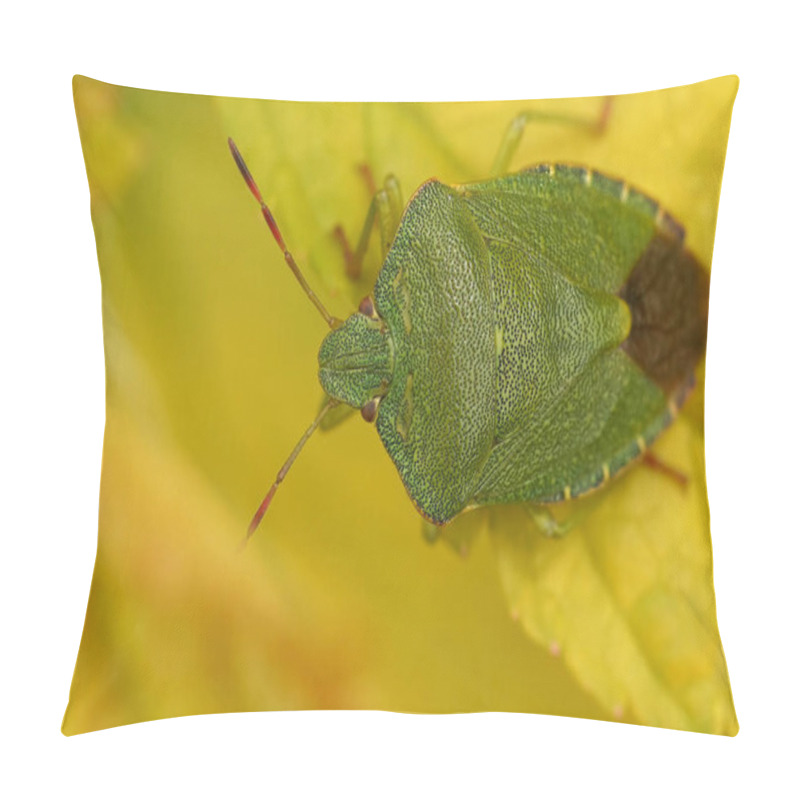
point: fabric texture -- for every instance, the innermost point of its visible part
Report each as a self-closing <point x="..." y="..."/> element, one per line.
<point x="598" y="606"/>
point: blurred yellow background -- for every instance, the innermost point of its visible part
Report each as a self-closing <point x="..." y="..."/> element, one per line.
<point x="338" y="601"/>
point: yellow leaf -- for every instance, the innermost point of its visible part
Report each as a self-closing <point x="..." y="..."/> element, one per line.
<point x="626" y="598"/>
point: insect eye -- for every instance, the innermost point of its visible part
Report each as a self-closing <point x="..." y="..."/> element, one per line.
<point x="367" y="307"/>
<point x="370" y="410"/>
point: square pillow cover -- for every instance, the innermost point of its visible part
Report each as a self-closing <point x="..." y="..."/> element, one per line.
<point x="514" y="296"/>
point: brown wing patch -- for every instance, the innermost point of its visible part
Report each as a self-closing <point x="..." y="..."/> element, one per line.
<point x="667" y="293"/>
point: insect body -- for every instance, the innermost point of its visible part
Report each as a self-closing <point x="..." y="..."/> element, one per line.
<point x="530" y="335"/>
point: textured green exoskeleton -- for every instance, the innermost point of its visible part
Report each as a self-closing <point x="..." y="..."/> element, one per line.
<point x="531" y="336"/>
<point x="528" y="337"/>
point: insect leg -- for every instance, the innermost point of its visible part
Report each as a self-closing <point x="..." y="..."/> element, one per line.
<point x="459" y="534"/>
<point x="430" y="532"/>
<point x="513" y="135"/>
<point x="649" y="459"/>
<point x="352" y="265"/>
<point x="390" y="214"/>
<point x="570" y="515"/>
<point x="547" y="524"/>
<point x="387" y="208"/>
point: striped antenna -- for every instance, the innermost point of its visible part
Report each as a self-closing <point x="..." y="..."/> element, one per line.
<point x="251" y="184"/>
<point x="262" y="509"/>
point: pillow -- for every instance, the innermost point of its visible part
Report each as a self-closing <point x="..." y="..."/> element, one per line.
<point x="531" y="358"/>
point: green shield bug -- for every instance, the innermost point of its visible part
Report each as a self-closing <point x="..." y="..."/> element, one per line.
<point x="528" y="336"/>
